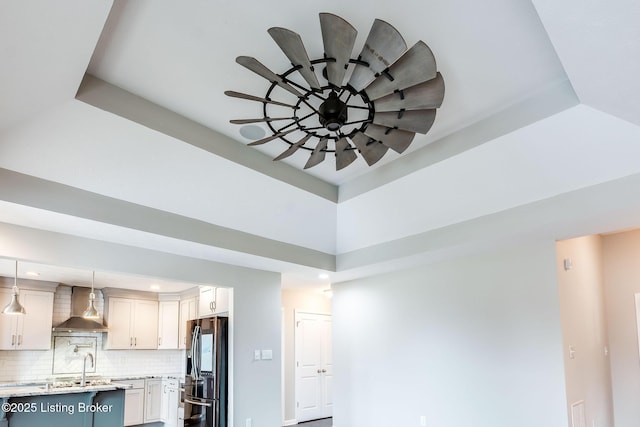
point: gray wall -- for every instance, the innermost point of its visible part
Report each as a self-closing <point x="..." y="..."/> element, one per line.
<point x="470" y="342"/>
<point x="622" y="281"/>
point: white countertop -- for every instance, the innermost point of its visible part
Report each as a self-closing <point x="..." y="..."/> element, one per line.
<point x="8" y="390"/>
<point x="20" y="390"/>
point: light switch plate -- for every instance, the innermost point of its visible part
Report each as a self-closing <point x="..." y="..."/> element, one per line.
<point x="267" y="354"/>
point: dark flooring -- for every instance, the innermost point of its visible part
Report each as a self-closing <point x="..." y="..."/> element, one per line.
<point x="325" y="422"/>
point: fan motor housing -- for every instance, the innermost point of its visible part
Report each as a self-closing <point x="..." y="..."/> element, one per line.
<point x="333" y="112"/>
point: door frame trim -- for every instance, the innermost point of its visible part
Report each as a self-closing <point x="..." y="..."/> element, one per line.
<point x="296" y="314"/>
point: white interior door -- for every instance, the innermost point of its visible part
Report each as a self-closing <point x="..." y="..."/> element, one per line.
<point x="314" y="367"/>
<point x="327" y="368"/>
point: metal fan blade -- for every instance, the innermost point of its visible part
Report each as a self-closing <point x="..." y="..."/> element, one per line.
<point x="289" y="151"/>
<point x="383" y="47"/>
<point x="344" y="157"/>
<point x="258" y="68"/>
<point x="417" y="65"/>
<point x="261" y="120"/>
<point x="422" y="96"/>
<point x="338" y="37"/>
<point x="318" y="155"/>
<point x="292" y="46"/>
<point x="241" y="95"/>
<point x="271" y="138"/>
<point x="371" y="150"/>
<point x="396" y="139"/>
<point x="412" y="120"/>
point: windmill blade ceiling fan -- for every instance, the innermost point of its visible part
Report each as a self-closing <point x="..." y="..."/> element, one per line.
<point x="343" y="105"/>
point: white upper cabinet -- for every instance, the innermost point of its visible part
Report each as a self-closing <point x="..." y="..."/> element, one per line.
<point x="188" y="311"/>
<point x="206" y="302"/>
<point x="132" y="323"/>
<point x="31" y="331"/>
<point x="222" y="300"/>
<point x="213" y="301"/>
<point x="168" y="322"/>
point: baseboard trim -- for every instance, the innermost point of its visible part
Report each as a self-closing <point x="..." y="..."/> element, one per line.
<point x="290" y="422"/>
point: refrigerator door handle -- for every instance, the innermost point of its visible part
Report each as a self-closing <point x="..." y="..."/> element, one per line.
<point x="195" y="353"/>
<point x="193" y="402"/>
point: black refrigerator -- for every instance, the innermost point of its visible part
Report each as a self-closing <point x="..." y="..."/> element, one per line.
<point x="206" y="382"/>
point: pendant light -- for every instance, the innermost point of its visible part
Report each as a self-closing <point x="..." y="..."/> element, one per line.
<point x="91" y="312"/>
<point x="14" y="307"/>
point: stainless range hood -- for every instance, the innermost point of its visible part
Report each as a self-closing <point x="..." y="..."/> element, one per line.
<point x="77" y="323"/>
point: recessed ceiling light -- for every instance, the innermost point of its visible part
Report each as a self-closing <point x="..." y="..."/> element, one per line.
<point x="155" y="287"/>
<point x="323" y="276"/>
<point x="32" y="273"/>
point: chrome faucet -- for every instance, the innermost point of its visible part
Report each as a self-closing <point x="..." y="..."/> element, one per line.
<point x="83" y="381"/>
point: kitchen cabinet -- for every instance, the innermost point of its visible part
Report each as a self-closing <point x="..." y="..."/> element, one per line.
<point x="153" y="400"/>
<point x="222" y="301"/>
<point x="31" y="331"/>
<point x="132" y="323"/>
<point x="170" y="402"/>
<point x="213" y="301"/>
<point x="206" y="301"/>
<point x="188" y="311"/>
<point x="134" y="403"/>
<point x="168" y="322"/>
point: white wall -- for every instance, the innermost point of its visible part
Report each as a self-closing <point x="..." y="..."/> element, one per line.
<point x="584" y="329"/>
<point x="470" y="342"/>
<point x="622" y="281"/>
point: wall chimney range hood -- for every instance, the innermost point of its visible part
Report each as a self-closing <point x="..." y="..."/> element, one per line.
<point x="77" y="323"/>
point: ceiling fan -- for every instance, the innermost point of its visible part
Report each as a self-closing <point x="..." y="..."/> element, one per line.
<point x="343" y="105"/>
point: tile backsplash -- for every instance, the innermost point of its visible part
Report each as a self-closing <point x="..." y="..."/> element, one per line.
<point x="33" y="366"/>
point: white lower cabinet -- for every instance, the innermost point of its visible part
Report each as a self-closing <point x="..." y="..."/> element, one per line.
<point x="170" y="402"/>
<point x="153" y="400"/>
<point x="134" y="403"/>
